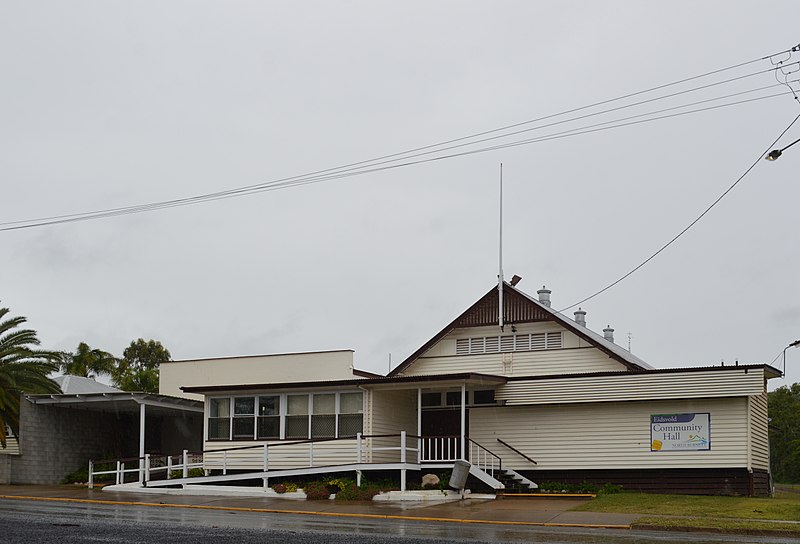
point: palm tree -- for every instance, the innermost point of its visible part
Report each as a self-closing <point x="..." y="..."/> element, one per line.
<point x="87" y="362"/>
<point x="23" y="369"/>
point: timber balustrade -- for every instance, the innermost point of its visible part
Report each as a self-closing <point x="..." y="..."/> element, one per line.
<point x="386" y="449"/>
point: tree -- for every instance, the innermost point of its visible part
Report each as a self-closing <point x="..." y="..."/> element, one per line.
<point x="784" y="436"/>
<point x="138" y="368"/>
<point x="87" y="362"/>
<point x="23" y="369"/>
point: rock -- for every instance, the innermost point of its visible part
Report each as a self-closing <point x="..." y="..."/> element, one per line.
<point x="430" y="480"/>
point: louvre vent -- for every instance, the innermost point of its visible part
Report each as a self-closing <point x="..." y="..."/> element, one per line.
<point x="508" y="343"/>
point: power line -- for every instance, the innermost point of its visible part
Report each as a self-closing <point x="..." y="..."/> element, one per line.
<point x="296" y="182"/>
<point x="690" y="225"/>
<point x="398" y="156"/>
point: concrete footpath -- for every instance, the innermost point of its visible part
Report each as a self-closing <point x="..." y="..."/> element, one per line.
<point x="549" y="512"/>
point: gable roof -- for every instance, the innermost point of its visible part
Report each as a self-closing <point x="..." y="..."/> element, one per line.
<point x="519" y="307"/>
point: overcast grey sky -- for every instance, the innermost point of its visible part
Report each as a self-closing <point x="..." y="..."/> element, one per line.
<point x="107" y="103"/>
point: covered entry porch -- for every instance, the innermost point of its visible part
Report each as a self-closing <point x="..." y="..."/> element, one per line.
<point x="435" y="410"/>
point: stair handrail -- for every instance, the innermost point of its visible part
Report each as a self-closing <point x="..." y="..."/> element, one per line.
<point x="515" y="450"/>
<point x="486" y="453"/>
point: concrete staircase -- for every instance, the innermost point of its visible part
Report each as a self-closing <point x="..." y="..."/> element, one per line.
<point x="515" y="482"/>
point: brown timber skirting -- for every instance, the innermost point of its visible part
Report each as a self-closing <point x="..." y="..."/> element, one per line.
<point x="690" y="481"/>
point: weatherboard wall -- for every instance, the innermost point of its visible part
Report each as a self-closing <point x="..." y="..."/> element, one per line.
<point x="613" y="435"/>
<point x="631" y="387"/>
<point x="389" y="413"/>
<point x="759" y="433"/>
<point x="575" y="355"/>
<point x="291" y="367"/>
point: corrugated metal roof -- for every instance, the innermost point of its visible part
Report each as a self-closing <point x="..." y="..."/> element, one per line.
<point x="72" y="385"/>
<point x="537" y="312"/>
<point x="585" y="331"/>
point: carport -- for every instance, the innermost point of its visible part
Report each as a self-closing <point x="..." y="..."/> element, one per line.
<point x="59" y="433"/>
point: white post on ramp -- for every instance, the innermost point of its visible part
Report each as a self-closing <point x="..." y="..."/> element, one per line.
<point x="185" y="463"/>
<point x="403" y="460"/>
<point x="141" y="442"/>
<point x="359" y="453"/>
<point x="266" y="466"/>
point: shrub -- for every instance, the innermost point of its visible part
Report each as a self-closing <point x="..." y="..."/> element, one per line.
<point x="193" y="473"/>
<point x="337" y="484"/>
<point x="285" y="487"/>
<point x="81" y="475"/>
<point x="610" y="489"/>
<point x="354" y="493"/>
<point x="317" y="491"/>
<point x="585" y="487"/>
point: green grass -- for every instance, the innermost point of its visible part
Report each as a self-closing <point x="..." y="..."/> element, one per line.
<point x="784" y="506"/>
<point x="718" y="524"/>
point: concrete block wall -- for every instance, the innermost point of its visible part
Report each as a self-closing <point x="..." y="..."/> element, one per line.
<point x="184" y="431"/>
<point x="5" y="469"/>
<point x="55" y="441"/>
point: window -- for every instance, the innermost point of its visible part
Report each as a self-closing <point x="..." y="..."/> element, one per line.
<point x="351" y="414"/>
<point x="323" y="419"/>
<point x="453" y="398"/>
<point x="297" y="416"/>
<point x="483" y="397"/>
<point x="431" y="399"/>
<point x="269" y="418"/>
<point x="318" y="415"/>
<point x="219" y="419"/>
<point x="244" y="410"/>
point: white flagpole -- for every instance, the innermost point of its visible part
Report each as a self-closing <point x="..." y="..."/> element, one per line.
<point x="500" y="274"/>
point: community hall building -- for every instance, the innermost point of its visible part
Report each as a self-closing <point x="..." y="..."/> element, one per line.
<point x="542" y="398"/>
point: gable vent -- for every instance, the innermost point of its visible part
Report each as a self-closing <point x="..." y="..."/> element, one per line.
<point x="508" y="343"/>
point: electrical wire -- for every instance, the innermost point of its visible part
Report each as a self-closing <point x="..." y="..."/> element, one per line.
<point x="29" y="223"/>
<point x="282" y="184"/>
<point x="690" y="225"/>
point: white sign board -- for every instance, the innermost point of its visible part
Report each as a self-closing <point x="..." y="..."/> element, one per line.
<point x="680" y="432"/>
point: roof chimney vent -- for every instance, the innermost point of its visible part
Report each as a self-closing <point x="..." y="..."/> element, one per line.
<point x="544" y="296"/>
<point x="608" y="334"/>
<point x="580" y="317"/>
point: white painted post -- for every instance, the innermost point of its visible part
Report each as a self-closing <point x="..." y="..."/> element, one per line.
<point x="225" y="462"/>
<point x="91" y="476"/>
<point x="119" y="473"/>
<point x="403" y="460"/>
<point x="146" y="468"/>
<point x="265" y="479"/>
<point x="141" y="442"/>
<point x="169" y="466"/>
<point x="359" y="451"/>
<point x="185" y="463"/>
<point x="464" y="409"/>
<point x="420" y="457"/>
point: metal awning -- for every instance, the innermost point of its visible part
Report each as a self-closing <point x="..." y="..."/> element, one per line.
<point x="117" y="402"/>
<point x="400" y="382"/>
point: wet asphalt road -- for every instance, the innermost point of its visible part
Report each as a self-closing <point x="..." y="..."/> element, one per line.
<point x="66" y="523"/>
